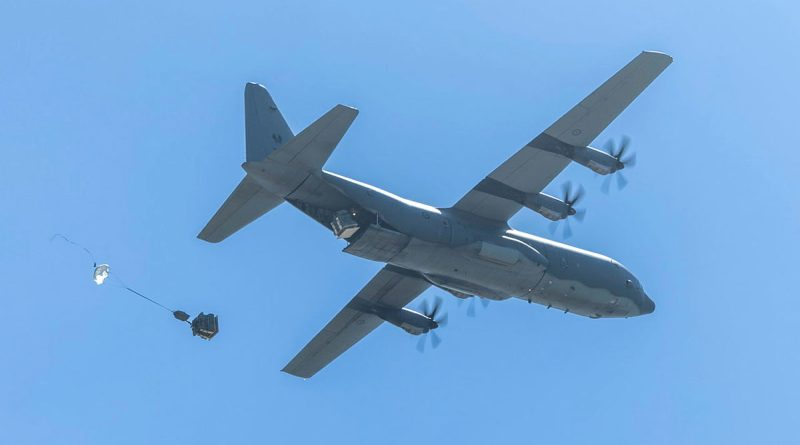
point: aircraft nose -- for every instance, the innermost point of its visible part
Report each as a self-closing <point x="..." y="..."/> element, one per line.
<point x="647" y="306"/>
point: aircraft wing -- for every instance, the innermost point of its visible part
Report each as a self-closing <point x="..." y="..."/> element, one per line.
<point x="538" y="163"/>
<point x="392" y="286"/>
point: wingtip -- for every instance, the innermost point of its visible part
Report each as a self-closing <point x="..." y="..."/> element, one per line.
<point x="294" y="374"/>
<point x="659" y="54"/>
<point x="209" y="235"/>
<point x="342" y="107"/>
<point x="207" y="239"/>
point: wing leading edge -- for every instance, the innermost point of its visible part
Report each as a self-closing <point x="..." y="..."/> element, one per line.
<point x="392" y="286"/>
<point x="539" y="162"/>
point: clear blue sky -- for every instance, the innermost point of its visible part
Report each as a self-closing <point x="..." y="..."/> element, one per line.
<point x="122" y="126"/>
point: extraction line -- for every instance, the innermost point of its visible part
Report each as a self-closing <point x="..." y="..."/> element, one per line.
<point x="208" y="327"/>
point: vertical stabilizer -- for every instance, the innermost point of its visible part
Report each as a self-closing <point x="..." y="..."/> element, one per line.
<point x="272" y="147"/>
<point x="265" y="128"/>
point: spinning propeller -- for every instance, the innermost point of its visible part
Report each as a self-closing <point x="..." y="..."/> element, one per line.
<point x="570" y="198"/>
<point x="471" y="305"/>
<point x="432" y="312"/>
<point x="617" y="152"/>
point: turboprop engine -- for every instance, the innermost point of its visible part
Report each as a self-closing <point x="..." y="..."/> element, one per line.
<point x="606" y="163"/>
<point x="596" y="160"/>
<point x="413" y="322"/>
<point x="556" y="209"/>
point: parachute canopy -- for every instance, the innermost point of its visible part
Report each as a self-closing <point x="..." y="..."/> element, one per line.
<point x="101" y="273"/>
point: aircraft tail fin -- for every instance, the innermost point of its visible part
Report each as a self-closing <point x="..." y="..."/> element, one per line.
<point x="271" y="145"/>
<point x="265" y="127"/>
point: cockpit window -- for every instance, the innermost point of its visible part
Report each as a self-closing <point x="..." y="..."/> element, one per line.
<point x="629" y="283"/>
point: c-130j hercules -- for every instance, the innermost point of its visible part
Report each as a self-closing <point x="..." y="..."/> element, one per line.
<point x="467" y="249"/>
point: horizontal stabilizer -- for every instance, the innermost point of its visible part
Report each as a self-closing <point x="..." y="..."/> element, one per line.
<point x="314" y="145"/>
<point x="243" y="206"/>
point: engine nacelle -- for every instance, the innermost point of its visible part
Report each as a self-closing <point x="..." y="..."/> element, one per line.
<point x="548" y="206"/>
<point x="596" y="160"/>
<point x="410" y="321"/>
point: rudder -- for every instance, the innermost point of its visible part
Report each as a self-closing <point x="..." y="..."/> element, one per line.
<point x="265" y="127"/>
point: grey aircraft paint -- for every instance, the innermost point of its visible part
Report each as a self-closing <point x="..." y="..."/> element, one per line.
<point x="468" y="255"/>
<point x="479" y="257"/>
<point x="468" y="249"/>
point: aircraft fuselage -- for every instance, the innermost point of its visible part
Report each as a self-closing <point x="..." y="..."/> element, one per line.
<point x="470" y="256"/>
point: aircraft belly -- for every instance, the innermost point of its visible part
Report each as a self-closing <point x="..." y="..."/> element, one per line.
<point x="462" y="269"/>
<point x="575" y="297"/>
<point x="580" y="283"/>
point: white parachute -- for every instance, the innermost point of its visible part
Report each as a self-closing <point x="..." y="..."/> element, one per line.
<point x="101" y="273"/>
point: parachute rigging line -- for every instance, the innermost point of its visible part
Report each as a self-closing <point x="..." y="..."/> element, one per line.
<point x="128" y="288"/>
<point x="177" y="314"/>
<point x="88" y="252"/>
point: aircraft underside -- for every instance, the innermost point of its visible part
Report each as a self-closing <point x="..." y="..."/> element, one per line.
<point x="467" y="249"/>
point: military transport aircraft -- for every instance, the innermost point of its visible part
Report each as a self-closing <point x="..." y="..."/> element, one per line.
<point x="468" y="249"/>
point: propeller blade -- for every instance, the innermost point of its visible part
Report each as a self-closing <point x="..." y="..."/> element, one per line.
<point x="443" y="321"/>
<point x="606" y="184"/>
<point x="435" y="340"/>
<point x="567" y="230"/>
<point x="484" y="303"/>
<point x="623" y="146"/>
<point x="471" y="307"/>
<point x="579" y="194"/>
<point x="580" y="214"/>
<point x="566" y="190"/>
<point x="424" y="307"/>
<point x="421" y="344"/>
<point x="437" y="304"/>
<point x="630" y="162"/>
<point x="621" y="181"/>
<point x="609" y="147"/>
<point x="552" y="227"/>
<point x="569" y="197"/>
